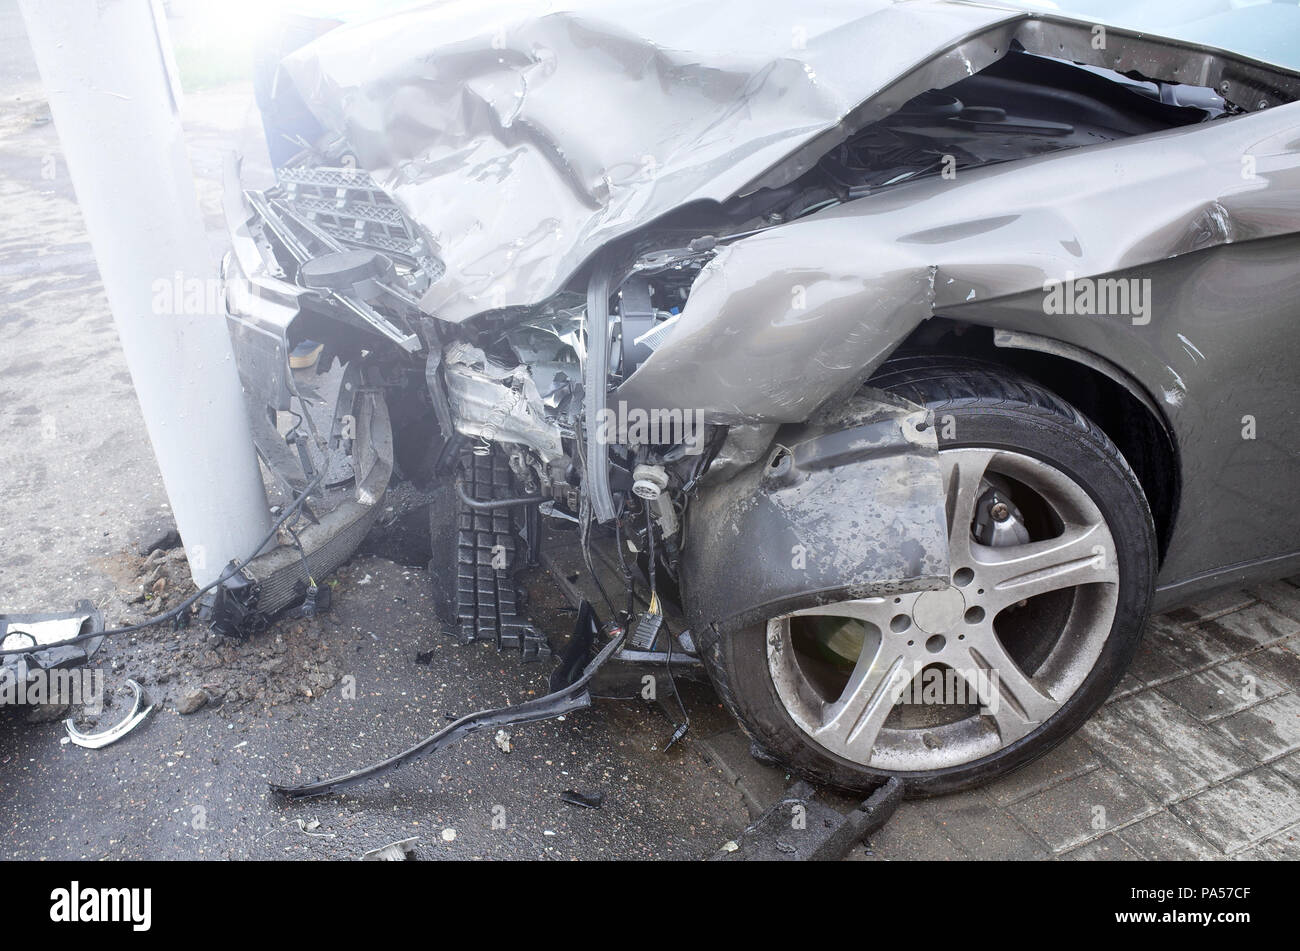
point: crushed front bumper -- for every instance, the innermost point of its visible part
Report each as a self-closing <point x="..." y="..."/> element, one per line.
<point x="262" y="307"/>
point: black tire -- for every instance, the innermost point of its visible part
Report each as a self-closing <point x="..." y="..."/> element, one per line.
<point x="995" y="408"/>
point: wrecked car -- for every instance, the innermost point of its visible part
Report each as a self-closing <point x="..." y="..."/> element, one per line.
<point x="890" y="345"/>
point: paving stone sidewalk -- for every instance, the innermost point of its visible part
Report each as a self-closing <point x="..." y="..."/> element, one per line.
<point x="1195" y="756"/>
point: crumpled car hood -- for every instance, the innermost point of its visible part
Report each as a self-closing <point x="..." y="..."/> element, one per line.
<point x="524" y="142"/>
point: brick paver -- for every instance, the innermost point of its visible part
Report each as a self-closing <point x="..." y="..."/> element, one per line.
<point x="1195" y="756"/>
<point x="1198" y="752"/>
<point x="1244" y="810"/>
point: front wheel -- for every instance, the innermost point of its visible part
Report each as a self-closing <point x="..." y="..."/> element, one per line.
<point x="1052" y="558"/>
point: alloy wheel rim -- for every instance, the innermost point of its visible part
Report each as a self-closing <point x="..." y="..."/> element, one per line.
<point x="1007" y="643"/>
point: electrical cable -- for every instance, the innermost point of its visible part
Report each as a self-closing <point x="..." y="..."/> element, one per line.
<point x="230" y="570"/>
<point x="584" y="542"/>
<point x="680" y="728"/>
<point x="628" y="579"/>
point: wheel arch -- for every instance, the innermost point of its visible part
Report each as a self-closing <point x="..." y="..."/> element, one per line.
<point x="1106" y="393"/>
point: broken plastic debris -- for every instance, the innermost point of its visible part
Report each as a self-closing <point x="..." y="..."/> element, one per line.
<point x="585" y="800"/>
<point x="37" y="631"/>
<point x="403" y="850"/>
<point x="309" y="827"/>
<point x="503" y="741"/>
<point x="449" y="835"/>
<point x="95" y="741"/>
<point x="35" y="634"/>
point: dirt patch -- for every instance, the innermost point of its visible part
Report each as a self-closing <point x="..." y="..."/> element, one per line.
<point x="293" y="661"/>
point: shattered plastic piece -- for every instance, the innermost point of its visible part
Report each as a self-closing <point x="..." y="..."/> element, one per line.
<point x="585" y="800"/>
<point x="230" y="609"/>
<point x="308" y="827"/>
<point x="824" y="835"/>
<point x="449" y="835"/>
<point x="36" y="633"/>
<point x="21" y="631"/>
<point x="95" y="741"/>
<point x="503" y="741"/>
<point x="403" y="850"/>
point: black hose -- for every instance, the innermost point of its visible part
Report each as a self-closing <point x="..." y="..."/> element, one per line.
<point x="487" y="505"/>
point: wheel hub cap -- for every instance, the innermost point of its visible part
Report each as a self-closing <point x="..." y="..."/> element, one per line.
<point x="937" y="612"/>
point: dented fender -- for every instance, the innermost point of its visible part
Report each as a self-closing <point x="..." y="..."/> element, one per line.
<point x="850" y="505"/>
<point x="782" y="321"/>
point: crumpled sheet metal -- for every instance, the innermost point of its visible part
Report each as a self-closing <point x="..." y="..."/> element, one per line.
<point x="781" y="322"/>
<point x="493" y="402"/>
<point x="522" y="142"/>
<point x="816" y="549"/>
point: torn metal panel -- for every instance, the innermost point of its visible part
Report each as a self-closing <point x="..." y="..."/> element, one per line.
<point x="554" y="347"/>
<point x="496" y="403"/>
<point x="522" y="143"/>
<point x="816" y="547"/>
<point x="280" y="575"/>
<point x="590" y="120"/>
<point x="780" y="322"/>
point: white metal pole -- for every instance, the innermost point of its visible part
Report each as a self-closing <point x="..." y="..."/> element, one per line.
<point x="106" y="69"/>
